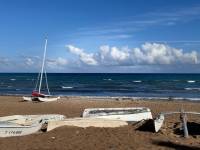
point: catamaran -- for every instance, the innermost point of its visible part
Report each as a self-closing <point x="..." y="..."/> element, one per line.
<point x="37" y="94"/>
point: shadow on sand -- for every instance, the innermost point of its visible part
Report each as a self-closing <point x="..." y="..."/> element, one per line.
<point x="193" y="129"/>
<point x="175" y="145"/>
<point x="146" y="126"/>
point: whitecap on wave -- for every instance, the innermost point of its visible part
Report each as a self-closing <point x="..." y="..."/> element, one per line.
<point x="67" y="87"/>
<point x="191" y="81"/>
<point x="108" y="79"/>
<point x="189" y="89"/>
<point x="137" y="81"/>
<point x="12" y="79"/>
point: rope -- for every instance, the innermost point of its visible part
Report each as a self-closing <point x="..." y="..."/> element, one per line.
<point x="37" y="81"/>
<point x="47" y="82"/>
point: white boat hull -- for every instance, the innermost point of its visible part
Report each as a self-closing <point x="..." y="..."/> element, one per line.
<point x="8" y="130"/>
<point x="41" y="99"/>
<point x="25" y="98"/>
<point x="133" y="114"/>
<point x="86" y="122"/>
<point x="29" y="119"/>
<point x="158" y="122"/>
<point x="48" y="99"/>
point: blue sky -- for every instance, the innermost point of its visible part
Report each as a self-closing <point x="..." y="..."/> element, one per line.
<point x="100" y="35"/>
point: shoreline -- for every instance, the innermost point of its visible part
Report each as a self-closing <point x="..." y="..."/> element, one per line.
<point x="120" y="98"/>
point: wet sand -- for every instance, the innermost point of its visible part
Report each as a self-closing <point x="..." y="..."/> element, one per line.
<point x="124" y="138"/>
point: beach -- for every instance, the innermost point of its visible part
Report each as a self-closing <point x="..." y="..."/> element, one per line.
<point x="123" y="138"/>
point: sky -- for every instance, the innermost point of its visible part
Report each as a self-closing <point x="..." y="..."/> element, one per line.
<point x="100" y="36"/>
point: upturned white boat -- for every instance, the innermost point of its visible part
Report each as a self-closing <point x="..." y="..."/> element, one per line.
<point x="30" y="119"/>
<point x="8" y="129"/>
<point x="37" y="94"/>
<point x="86" y="122"/>
<point x="158" y="122"/>
<point x="131" y="114"/>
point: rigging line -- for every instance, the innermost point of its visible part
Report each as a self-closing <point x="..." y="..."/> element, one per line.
<point x="37" y="81"/>
<point x="43" y="63"/>
<point x="47" y="82"/>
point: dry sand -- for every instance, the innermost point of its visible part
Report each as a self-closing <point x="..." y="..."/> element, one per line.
<point x="124" y="138"/>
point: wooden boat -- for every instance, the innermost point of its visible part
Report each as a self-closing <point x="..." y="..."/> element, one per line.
<point x="37" y="94"/>
<point x="158" y="122"/>
<point x="8" y="129"/>
<point x="131" y="114"/>
<point x="29" y="119"/>
<point x="86" y="122"/>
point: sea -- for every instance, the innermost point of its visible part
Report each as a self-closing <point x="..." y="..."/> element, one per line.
<point x="164" y="86"/>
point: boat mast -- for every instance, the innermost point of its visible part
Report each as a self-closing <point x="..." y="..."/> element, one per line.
<point x="44" y="56"/>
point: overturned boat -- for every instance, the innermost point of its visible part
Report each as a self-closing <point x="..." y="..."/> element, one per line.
<point x="8" y="129"/>
<point x="158" y="122"/>
<point x="129" y="114"/>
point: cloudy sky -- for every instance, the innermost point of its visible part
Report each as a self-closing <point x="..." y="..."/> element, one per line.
<point x="132" y="36"/>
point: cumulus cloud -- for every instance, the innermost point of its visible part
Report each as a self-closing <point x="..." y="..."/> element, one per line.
<point x="153" y="53"/>
<point x="147" y="54"/>
<point x="87" y="58"/>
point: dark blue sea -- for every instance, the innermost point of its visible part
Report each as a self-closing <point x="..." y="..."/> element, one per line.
<point x="101" y="84"/>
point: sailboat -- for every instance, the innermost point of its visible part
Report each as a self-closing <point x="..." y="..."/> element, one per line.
<point x="37" y="94"/>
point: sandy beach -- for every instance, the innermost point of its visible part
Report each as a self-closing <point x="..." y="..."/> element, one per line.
<point x="123" y="138"/>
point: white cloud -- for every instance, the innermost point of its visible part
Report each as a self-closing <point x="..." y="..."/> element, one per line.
<point x="61" y="61"/>
<point x="29" y="61"/>
<point x="147" y="54"/>
<point x="56" y="63"/>
<point x="87" y="58"/>
<point x="118" y="55"/>
<point x="153" y="53"/>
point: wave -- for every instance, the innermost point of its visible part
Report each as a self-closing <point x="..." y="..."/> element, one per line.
<point x="190" y="89"/>
<point x="12" y="79"/>
<point x="191" y="81"/>
<point x="107" y="79"/>
<point x="137" y="81"/>
<point x="30" y="79"/>
<point x="67" y="87"/>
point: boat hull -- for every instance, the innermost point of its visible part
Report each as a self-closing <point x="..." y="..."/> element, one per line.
<point x="8" y="130"/>
<point x="133" y="114"/>
<point x="48" y="99"/>
<point x="158" y="122"/>
<point x="30" y="119"/>
<point x="41" y="99"/>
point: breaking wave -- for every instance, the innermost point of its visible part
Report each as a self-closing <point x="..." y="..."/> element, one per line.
<point x="67" y="87"/>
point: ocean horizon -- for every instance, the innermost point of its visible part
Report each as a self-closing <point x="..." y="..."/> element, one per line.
<point x="140" y="85"/>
